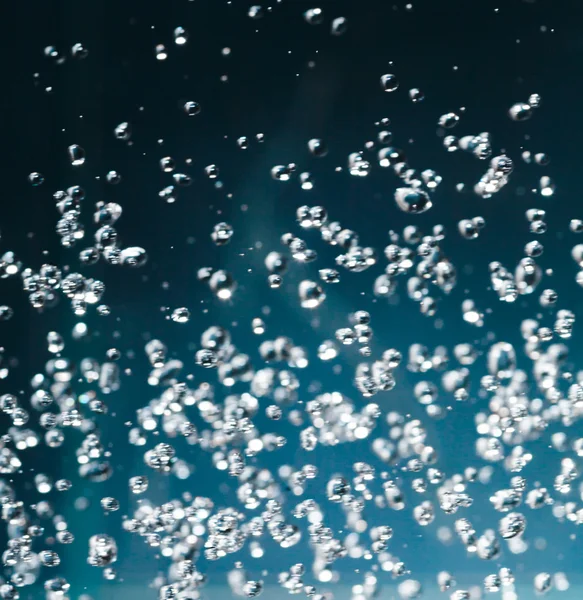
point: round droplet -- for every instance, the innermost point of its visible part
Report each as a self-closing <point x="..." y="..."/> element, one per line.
<point x="412" y="201"/>
<point x="317" y="147"/>
<point x="222" y="234"/>
<point x="311" y="294"/>
<point x="520" y="111"/>
<point x="167" y="164"/>
<point x="138" y="484"/>
<point x="113" y="177"/>
<point x="416" y="95"/>
<point x="389" y="82"/>
<point x="448" y="120"/>
<point x="109" y="504"/>
<point x="192" y="108"/>
<point x="222" y="284"/>
<point x="36" y="179"/>
<point x="180" y="315"/>
<point x="314" y="16"/>
<point x="79" y="51"/>
<point x="339" y="26"/>
<point x="134" y="257"/>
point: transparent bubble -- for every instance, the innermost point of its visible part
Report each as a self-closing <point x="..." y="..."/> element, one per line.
<point x="546" y="186"/>
<point x="49" y="558"/>
<point x="76" y="155"/>
<point x="450" y="143"/>
<point x="138" y="484"/>
<point x="317" y="147"/>
<point x="222" y="284"/>
<point x="134" y="257"/>
<point x="534" y="100"/>
<point x="448" y="120"/>
<point x="192" y="108"/>
<point x="113" y="177"/>
<point x="314" y="16"/>
<point x="512" y="525"/>
<point x="161" y="52"/>
<point x="6" y="313"/>
<point x="339" y="26"/>
<point x="252" y="589"/>
<point x="281" y="173"/>
<point x="255" y="12"/>
<point x="520" y="111"/>
<point x="412" y="201"/>
<point x="416" y="95"/>
<point x="79" y="51"/>
<point x="542" y="583"/>
<point x="55" y="342"/>
<point x="502" y="360"/>
<point x="180" y="315"/>
<point x="206" y="358"/>
<point x="109" y="504"/>
<point x="389" y="82"/>
<point x="167" y="164"/>
<point x="311" y="294"/>
<point x="123" y="131"/>
<point x="180" y="36"/>
<point x="36" y="179"/>
<point x="222" y="234"/>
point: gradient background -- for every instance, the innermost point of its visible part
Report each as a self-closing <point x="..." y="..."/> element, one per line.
<point x="501" y="57"/>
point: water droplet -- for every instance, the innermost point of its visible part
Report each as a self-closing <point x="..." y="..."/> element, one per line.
<point x="412" y="201"/>
<point x="76" y="155"/>
<point x="389" y="82"/>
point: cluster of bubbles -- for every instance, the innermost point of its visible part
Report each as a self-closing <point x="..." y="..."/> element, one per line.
<point x="253" y="416"/>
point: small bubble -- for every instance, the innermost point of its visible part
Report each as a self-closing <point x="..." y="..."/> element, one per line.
<point x="314" y="16"/>
<point x="160" y="52"/>
<point x="416" y="95"/>
<point x="412" y="201"/>
<point x="192" y="108"/>
<point x="180" y="315"/>
<point x="180" y="36"/>
<point x="138" y="484"/>
<point x="255" y="12"/>
<point x="79" y="51"/>
<point x="76" y="155"/>
<point x="36" y="179"/>
<point x="389" y="82"/>
<point x="109" y="504"/>
<point x="339" y="26"/>
<point x="520" y="111"/>
<point x="123" y="131"/>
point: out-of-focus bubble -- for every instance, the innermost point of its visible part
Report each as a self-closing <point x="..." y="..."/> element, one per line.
<point x="79" y="51"/>
<point x="314" y="16"/>
<point x="339" y="26"/>
<point x="520" y="111"/>
<point x="180" y="315"/>
<point x="180" y="36"/>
